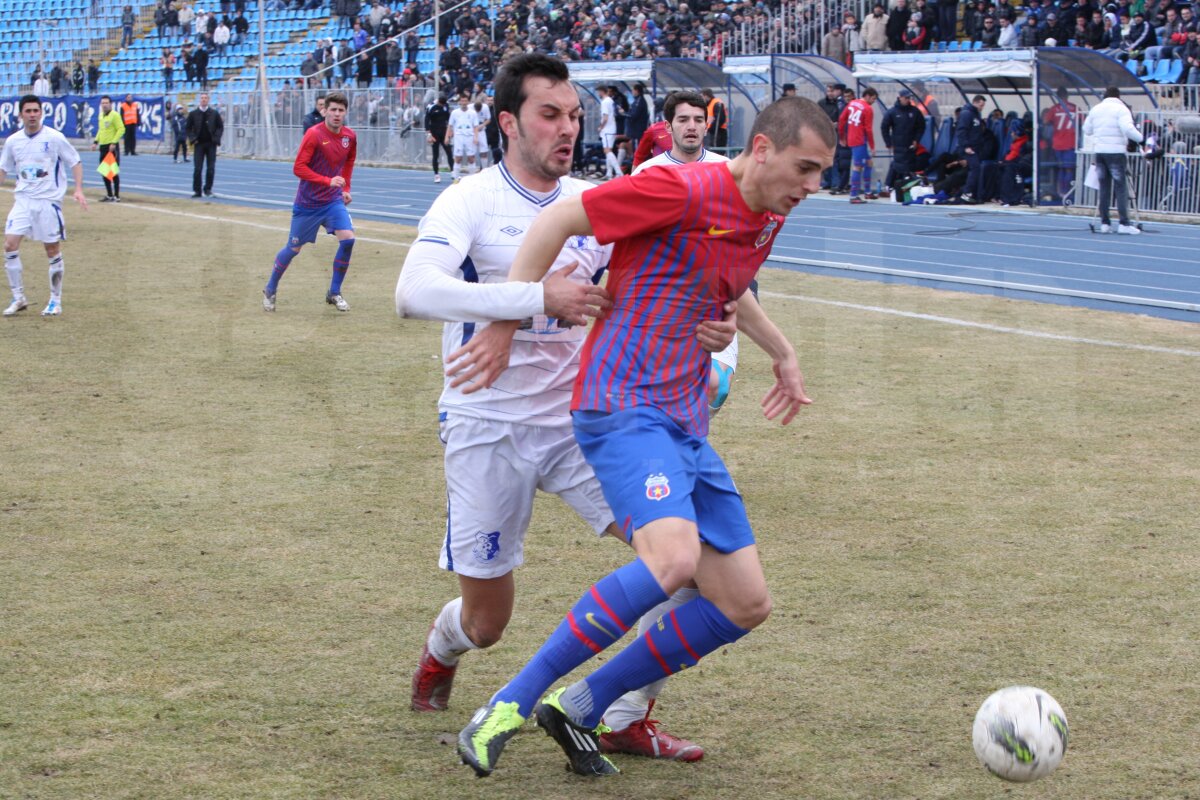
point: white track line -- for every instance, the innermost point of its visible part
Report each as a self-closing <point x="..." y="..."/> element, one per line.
<point x="987" y="327"/>
<point x="244" y="223"/>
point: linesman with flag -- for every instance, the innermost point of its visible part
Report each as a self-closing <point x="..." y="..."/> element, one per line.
<point x="109" y="132"/>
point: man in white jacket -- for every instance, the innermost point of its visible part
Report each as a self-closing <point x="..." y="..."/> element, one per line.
<point x="1110" y="127"/>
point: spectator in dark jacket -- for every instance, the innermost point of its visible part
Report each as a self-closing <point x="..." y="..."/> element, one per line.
<point x="902" y="128"/>
<point x="317" y="115"/>
<point x="989" y="34"/>
<point x="832" y="104"/>
<point x="897" y="21"/>
<point x="639" y="114"/>
<point x="968" y="133"/>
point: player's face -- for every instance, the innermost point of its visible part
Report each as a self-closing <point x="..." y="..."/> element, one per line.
<point x="31" y="115"/>
<point x="541" y="139"/>
<point x="687" y="128"/>
<point x="335" y="116"/>
<point x="789" y="175"/>
<point x="105" y="106"/>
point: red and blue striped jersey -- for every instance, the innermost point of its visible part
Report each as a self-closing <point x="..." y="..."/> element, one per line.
<point x="686" y="243"/>
<point x="324" y="155"/>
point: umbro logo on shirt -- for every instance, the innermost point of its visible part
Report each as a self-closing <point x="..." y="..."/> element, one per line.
<point x="511" y="231"/>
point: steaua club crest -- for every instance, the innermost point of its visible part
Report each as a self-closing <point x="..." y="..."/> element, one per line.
<point x="658" y="487"/>
<point x="346" y="142"/>
<point x="765" y="236"/>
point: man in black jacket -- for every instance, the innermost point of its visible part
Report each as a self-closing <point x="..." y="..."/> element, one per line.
<point x="204" y="130"/>
<point x="437" y="117"/>
<point x="832" y="104"/>
<point x="897" y="21"/>
<point x="317" y="115"/>
<point x="902" y="128"/>
<point x="968" y="133"/>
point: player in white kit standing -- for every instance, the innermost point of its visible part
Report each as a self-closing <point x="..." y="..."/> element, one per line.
<point x="461" y="132"/>
<point x="504" y="443"/>
<point x="608" y="132"/>
<point x="40" y="158"/>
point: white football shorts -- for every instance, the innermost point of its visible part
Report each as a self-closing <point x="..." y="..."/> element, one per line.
<point x="493" y="471"/>
<point x="464" y="146"/>
<point x="41" y="220"/>
<point x="729" y="355"/>
<point x="607" y="140"/>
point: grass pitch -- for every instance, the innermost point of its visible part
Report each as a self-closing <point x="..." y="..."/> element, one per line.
<point x="218" y="534"/>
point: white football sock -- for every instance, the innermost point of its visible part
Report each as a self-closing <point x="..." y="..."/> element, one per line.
<point x="56" y="277"/>
<point x="447" y="641"/>
<point x="632" y="706"/>
<point x="12" y="265"/>
<point x="610" y="160"/>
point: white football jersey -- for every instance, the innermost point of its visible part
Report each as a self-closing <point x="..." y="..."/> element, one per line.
<point x="463" y="122"/>
<point x="41" y="163"/>
<point x="668" y="160"/>
<point x="609" y="115"/>
<point x="484" y="219"/>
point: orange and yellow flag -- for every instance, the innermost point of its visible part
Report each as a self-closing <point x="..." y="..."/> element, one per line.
<point x="109" y="166"/>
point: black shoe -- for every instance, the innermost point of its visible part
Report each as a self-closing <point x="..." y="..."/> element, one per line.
<point x="195" y="194"/>
<point x="581" y="746"/>
<point x="106" y="199"/>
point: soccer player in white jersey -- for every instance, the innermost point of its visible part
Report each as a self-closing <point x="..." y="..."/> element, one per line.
<point x="686" y="116"/>
<point x="463" y="127"/>
<point x="40" y="157"/>
<point x="518" y="432"/>
<point x="608" y="132"/>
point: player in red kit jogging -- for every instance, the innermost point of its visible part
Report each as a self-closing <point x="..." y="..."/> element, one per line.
<point x="856" y="130"/>
<point x="324" y="166"/>
<point x="640" y="413"/>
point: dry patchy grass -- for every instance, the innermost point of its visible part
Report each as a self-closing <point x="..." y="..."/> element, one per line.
<point x="218" y="533"/>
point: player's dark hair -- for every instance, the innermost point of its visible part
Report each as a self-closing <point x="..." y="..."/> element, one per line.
<point x="675" y="99"/>
<point x="786" y="120"/>
<point x="870" y="92"/>
<point x="978" y="98"/>
<point x="337" y="98"/>
<point x="509" y="85"/>
<point x="29" y="98"/>
<point x="1111" y="91"/>
<point x="106" y="97"/>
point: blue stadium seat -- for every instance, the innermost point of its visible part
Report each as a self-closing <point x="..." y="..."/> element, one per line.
<point x="1174" y="71"/>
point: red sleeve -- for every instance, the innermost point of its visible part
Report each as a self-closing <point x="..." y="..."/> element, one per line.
<point x="348" y="167"/>
<point x="644" y="147"/>
<point x="658" y="195"/>
<point x="300" y="169"/>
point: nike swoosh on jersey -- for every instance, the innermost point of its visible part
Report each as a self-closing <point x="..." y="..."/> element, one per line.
<point x="591" y="618"/>
<point x="713" y="230"/>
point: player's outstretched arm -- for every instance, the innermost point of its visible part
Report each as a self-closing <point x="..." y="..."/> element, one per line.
<point x="787" y="396"/>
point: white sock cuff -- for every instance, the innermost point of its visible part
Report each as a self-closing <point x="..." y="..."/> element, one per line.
<point x="447" y="640"/>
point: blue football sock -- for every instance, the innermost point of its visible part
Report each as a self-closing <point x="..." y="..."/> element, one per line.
<point x="679" y="640"/>
<point x="282" y="259"/>
<point x="866" y="177"/>
<point x="600" y="618"/>
<point x="855" y="182"/>
<point x="341" y="263"/>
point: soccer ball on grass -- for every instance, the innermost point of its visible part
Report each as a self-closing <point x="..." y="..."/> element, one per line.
<point x="1020" y="733"/>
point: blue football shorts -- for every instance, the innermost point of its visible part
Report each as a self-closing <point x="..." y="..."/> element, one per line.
<point x="306" y="222"/>
<point x="650" y="468"/>
<point x="860" y="154"/>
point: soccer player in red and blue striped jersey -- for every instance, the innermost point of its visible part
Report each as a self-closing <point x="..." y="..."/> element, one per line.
<point x="324" y="166"/>
<point x="688" y="240"/>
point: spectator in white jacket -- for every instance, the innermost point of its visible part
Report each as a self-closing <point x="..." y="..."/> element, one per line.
<point x="1110" y="127"/>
